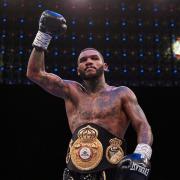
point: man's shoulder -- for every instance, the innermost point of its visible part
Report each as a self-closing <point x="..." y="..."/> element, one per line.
<point x="71" y="82"/>
<point x="125" y="92"/>
<point x="123" y="89"/>
<point x="74" y="84"/>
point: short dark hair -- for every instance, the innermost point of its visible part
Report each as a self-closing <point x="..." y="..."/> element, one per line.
<point x="86" y="49"/>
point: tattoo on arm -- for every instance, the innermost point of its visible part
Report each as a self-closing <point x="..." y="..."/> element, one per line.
<point x="48" y="81"/>
<point x="143" y="129"/>
<point x="53" y="84"/>
<point x="36" y="62"/>
<point x="138" y="120"/>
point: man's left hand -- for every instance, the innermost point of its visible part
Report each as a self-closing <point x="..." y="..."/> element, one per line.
<point x="135" y="162"/>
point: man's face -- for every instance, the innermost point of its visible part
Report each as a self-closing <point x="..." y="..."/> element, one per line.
<point x="90" y="64"/>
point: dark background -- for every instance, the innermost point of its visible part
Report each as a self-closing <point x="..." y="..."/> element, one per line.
<point x="135" y="38"/>
<point x="35" y="132"/>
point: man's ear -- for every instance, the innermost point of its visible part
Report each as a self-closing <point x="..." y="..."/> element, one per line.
<point x="106" y="67"/>
<point x="78" y="71"/>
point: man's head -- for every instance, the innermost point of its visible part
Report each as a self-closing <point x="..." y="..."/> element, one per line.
<point x="91" y="64"/>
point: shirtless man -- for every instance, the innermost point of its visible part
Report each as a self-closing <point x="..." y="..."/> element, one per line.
<point x="98" y="114"/>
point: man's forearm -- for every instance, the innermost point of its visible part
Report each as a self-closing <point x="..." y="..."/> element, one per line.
<point x="36" y="62"/>
<point x="145" y="135"/>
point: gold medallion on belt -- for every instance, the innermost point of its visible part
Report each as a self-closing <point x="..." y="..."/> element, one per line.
<point x="87" y="151"/>
<point x="114" y="152"/>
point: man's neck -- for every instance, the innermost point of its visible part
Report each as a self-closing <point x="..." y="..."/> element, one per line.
<point x="95" y="85"/>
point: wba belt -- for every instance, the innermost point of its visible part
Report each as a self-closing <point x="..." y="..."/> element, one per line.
<point x="92" y="148"/>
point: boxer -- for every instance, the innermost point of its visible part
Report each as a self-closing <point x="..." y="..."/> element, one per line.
<point x="98" y="113"/>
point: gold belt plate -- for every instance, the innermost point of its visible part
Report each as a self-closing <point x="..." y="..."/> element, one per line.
<point x="87" y="151"/>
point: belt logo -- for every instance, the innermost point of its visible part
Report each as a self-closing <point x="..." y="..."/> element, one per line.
<point x="87" y="151"/>
<point x="114" y="152"/>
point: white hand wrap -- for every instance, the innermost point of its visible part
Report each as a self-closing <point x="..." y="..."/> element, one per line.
<point x="42" y="40"/>
<point x="144" y="149"/>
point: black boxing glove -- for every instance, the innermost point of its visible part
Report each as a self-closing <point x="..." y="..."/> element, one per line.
<point x="139" y="161"/>
<point x="50" y="23"/>
<point x="134" y="162"/>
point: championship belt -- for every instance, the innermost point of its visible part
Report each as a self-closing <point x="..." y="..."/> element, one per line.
<point x="93" y="148"/>
<point x="87" y="151"/>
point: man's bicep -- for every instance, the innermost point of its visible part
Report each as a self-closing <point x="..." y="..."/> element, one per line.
<point x="133" y="109"/>
<point x="53" y="84"/>
<point x="136" y="113"/>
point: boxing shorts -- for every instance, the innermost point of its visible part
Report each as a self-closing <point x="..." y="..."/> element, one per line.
<point x="109" y="174"/>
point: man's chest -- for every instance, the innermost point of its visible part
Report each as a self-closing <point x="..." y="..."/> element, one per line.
<point x="101" y="106"/>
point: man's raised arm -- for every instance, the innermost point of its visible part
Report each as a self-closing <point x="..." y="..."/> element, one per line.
<point x="50" y="23"/>
<point x="48" y="81"/>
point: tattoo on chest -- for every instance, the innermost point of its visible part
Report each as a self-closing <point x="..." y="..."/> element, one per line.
<point x="105" y="101"/>
<point x="101" y="106"/>
<point x="86" y="114"/>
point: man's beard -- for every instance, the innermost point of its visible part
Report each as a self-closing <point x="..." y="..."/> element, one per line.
<point x="98" y="73"/>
